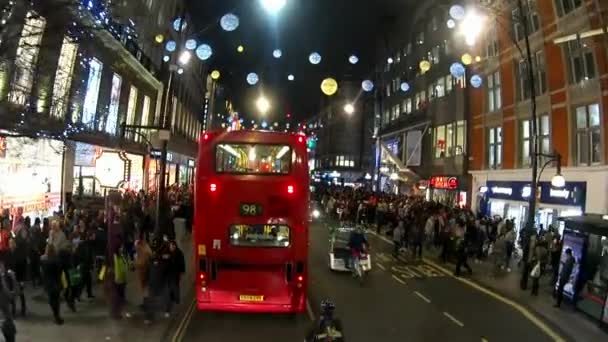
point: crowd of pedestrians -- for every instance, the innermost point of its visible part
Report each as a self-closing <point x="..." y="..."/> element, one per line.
<point x="456" y="234"/>
<point x="68" y="253"/>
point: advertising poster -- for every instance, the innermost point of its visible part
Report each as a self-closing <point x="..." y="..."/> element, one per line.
<point x="576" y="243"/>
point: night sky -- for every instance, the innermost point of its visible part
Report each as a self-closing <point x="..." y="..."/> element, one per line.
<point x="334" y="28"/>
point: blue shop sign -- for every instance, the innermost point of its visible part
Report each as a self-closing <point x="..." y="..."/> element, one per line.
<point x="572" y="194"/>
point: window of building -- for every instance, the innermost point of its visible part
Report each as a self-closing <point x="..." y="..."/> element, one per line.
<point x="494" y="95"/>
<point x="581" y="60"/>
<point x="386" y="116"/>
<point x="89" y="108"/>
<point x="131" y="105"/>
<point x="588" y="135"/>
<point x="145" y="114"/>
<point x="407" y="105"/>
<point x="435" y="55"/>
<point x="566" y="6"/>
<point x="28" y="49"/>
<point x="388" y="90"/>
<point x="420" y="38"/>
<point x="448" y="84"/>
<point x="543" y="137"/>
<point x="440" y="87"/>
<point x="449" y="139"/>
<point x="112" y="120"/>
<point x="491" y="48"/>
<point x="523" y="76"/>
<point x="63" y="78"/>
<point x="446" y="47"/>
<point x="532" y="18"/>
<point x="433" y="23"/>
<point x="494" y="147"/>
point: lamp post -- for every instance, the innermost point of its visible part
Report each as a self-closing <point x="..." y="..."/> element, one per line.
<point x="263" y="105"/>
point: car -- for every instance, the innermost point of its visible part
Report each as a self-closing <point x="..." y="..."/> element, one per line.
<point x="339" y="251"/>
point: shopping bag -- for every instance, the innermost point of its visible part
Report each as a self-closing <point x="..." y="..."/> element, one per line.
<point x="74" y="276"/>
<point x="102" y="273"/>
<point x="64" y="281"/>
<point x="535" y="271"/>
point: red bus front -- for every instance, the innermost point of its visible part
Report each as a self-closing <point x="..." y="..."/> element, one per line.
<point x="251" y="226"/>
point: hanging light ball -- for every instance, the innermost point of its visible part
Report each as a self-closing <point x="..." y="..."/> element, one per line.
<point x="166" y="58"/>
<point x="405" y="87"/>
<point x="390" y="60"/>
<point x="229" y="22"/>
<point x="240" y="49"/>
<point x="159" y="38"/>
<point x="277" y="53"/>
<point x="252" y="78"/>
<point x="204" y="52"/>
<point x="457" y="12"/>
<point x="329" y="86"/>
<point x="467" y="59"/>
<point x="476" y="81"/>
<point x="353" y="59"/>
<point x="457" y="70"/>
<point x="367" y="85"/>
<point x="215" y="74"/>
<point x="264" y="124"/>
<point x="177" y="23"/>
<point x="425" y="66"/>
<point x="291" y="77"/>
<point x="171" y="46"/>
<point x="191" y="44"/>
<point x="180" y="71"/>
<point x="314" y="58"/>
<point x="451" y="23"/>
<point x="478" y="59"/>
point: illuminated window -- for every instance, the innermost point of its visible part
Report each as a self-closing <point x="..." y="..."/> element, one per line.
<point x="63" y="78"/>
<point x="494" y="147"/>
<point x="131" y="108"/>
<point x="494" y="95"/>
<point x="28" y="49"/>
<point x="89" y="108"/>
<point x="145" y="114"/>
<point x="112" y="120"/>
<point x="588" y="135"/>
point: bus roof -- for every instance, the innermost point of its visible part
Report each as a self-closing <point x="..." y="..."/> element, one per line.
<point x="254" y="136"/>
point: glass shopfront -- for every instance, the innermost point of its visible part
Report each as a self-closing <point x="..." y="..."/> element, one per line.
<point x="30" y="176"/>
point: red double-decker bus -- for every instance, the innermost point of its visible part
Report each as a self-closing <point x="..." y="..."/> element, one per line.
<point x="251" y="222"/>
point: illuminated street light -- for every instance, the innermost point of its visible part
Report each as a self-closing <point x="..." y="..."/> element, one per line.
<point x="349" y="108"/>
<point x="394" y="176"/>
<point x="184" y="58"/>
<point x="263" y="105"/>
<point x="273" y="6"/>
<point x="471" y="27"/>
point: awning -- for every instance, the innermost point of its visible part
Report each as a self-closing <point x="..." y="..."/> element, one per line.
<point x="405" y="173"/>
<point x="592" y="223"/>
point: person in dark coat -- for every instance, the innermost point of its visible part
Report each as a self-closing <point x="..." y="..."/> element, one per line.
<point x="175" y="270"/>
<point x="564" y="276"/>
<point x="37" y="242"/>
<point x="85" y="255"/>
<point x="51" y="279"/>
<point x="8" y="290"/>
<point x="19" y="262"/>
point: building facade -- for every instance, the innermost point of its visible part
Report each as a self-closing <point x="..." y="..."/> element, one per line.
<point x="71" y="72"/>
<point x="422" y="119"/>
<point x="570" y="66"/>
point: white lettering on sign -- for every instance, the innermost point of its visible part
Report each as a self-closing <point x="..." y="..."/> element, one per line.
<point x="501" y="190"/>
<point x="559" y="193"/>
<point x="526" y="191"/>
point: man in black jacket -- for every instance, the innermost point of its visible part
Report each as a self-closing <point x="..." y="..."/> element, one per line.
<point x="176" y="268"/>
<point x="564" y="276"/>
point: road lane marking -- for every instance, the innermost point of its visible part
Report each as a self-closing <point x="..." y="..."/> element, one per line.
<point x="453" y="319"/>
<point x="399" y="280"/>
<point x="525" y="312"/>
<point x="183" y="324"/>
<point x="422" y="296"/>
<point x="311" y="314"/>
<point x="522" y="310"/>
<point x="483" y="339"/>
<point x="382" y="267"/>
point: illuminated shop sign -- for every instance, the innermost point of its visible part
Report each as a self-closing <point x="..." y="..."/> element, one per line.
<point x="572" y="194"/>
<point x="110" y="169"/>
<point x="442" y="182"/>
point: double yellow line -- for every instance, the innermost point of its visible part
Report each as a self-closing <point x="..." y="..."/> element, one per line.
<point x="184" y="323"/>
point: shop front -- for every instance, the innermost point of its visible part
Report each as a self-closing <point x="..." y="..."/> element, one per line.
<point x="510" y="200"/>
<point x="98" y="169"/>
<point x="30" y="176"/>
<point x="448" y="190"/>
<point x="179" y="170"/>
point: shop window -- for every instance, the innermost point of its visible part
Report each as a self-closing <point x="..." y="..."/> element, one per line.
<point x="566" y="6"/>
<point x="89" y="108"/>
<point x="28" y="49"/>
<point x="581" y="61"/>
<point x="588" y="135"/>
<point x="494" y="95"/>
<point x="494" y="147"/>
<point x="63" y="78"/>
<point x="112" y="120"/>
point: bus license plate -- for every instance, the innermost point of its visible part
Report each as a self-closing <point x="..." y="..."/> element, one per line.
<point x="249" y="298"/>
<point x="251" y="209"/>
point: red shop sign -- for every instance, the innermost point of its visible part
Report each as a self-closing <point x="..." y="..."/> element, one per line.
<point x="442" y="182"/>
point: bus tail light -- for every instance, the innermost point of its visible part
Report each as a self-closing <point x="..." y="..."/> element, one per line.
<point x="301" y="139"/>
<point x="290" y="189"/>
<point x="206" y="136"/>
<point x="213" y="187"/>
<point x="299" y="281"/>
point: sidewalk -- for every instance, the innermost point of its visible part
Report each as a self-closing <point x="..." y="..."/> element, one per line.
<point x="574" y="324"/>
<point x="92" y="322"/>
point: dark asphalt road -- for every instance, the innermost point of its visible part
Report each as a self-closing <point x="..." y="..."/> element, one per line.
<point x="399" y="302"/>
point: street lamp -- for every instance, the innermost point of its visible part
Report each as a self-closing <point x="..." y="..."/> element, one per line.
<point x="184" y="58"/>
<point x="263" y="105"/>
<point x="349" y="108"/>
<point x="273" y="6"/>
<point x="471" y="27"/>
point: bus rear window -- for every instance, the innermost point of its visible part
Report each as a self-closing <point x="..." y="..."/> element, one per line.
<point x="253" y="159"/>
<point x="259" y="235"/>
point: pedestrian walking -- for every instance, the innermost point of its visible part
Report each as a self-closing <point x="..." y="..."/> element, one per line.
<point x="398" y="237"/>
<point x="176" y="269"/>
<point x="143" y="259"/>
<point x="36" y="248"/>
<point x="120" y="283"/>
<point x="8" y="290"/>
<point x="461" y="252"/>
<point x="85" y="261"/>
<point x="540" y="259"/>
<point x="564" y="276"/>
<point x="51" y="279"/>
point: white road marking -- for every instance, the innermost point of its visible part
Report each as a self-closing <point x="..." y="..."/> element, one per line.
<point x="422" y="296"/>
<point x="453" y="319"/>
<point x="381" y="267"/>
<point x="311" y="314"/>
<point x="399" y="280"/>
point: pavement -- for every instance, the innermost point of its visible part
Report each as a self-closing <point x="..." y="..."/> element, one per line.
<point x="399" y="301"/>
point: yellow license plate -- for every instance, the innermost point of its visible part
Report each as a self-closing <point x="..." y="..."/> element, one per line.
<point x="249" y="298"/>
